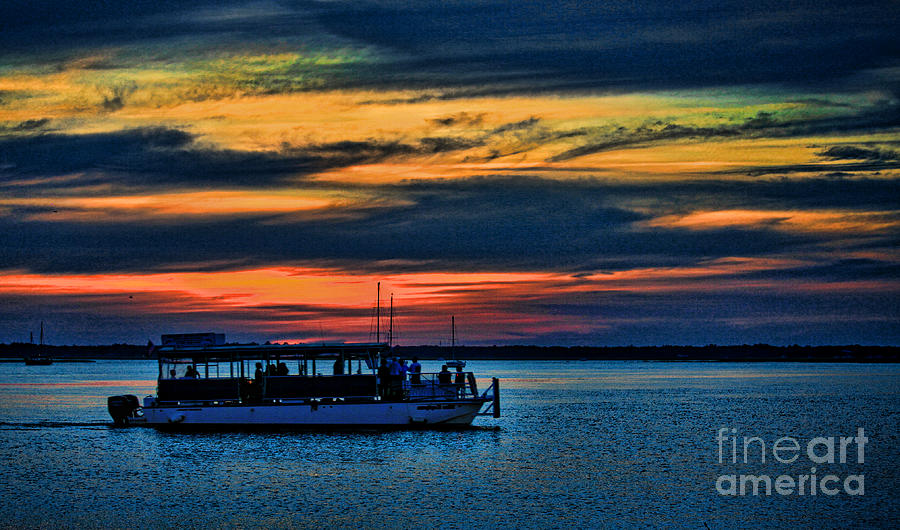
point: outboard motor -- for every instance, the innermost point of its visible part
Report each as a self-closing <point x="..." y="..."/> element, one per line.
<point x="124" y="409"/>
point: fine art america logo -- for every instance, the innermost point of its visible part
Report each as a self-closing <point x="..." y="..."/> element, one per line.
<point x="820" y="451"/>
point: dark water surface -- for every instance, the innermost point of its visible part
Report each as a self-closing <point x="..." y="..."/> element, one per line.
<point x="580" y="444"/>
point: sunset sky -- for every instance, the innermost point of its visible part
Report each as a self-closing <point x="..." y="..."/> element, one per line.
<point x="573" y="173"/>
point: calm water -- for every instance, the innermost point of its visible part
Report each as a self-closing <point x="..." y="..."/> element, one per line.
<point x="581" y="444"/>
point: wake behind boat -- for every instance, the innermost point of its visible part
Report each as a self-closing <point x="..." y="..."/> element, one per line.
<point x="280" y="386"/>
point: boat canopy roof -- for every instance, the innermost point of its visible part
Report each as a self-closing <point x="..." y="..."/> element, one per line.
<point x="238" y="352"/>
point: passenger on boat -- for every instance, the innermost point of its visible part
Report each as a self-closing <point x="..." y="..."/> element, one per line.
<point x="172" y="373"/>
<point x="258" y="376"/>
<point x="415" y="372"/>
<point x="338" y="366"/>
<point x="395" y="378"/>
<point x="191" y="373"/>
<point x="270" y="369"/>
<point x="282" y="369"/>
<point x="447" y="389"/>
<point x="256" y="390"/>
<point x="384" y="375"/>
<point x="403" y="369"/>
<point x="460" y="381"/>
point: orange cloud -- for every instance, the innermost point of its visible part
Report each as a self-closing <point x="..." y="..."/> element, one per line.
<point x="168" y="205"/>
<point x="803" y="221"/>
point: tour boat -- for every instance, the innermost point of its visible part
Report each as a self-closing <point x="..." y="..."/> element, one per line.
<point x="204" y="383"/>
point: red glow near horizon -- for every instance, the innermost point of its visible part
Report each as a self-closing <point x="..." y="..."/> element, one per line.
<point x="316" y="304"/>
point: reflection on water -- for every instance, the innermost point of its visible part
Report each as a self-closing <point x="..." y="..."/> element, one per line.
<point x="580" y="444"/>
<point x="74" y="384"/>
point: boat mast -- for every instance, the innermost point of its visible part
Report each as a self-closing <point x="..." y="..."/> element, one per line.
<point x="391" y="328"/>
<point x="453" y="337"/>
<point x="378" y="313"/>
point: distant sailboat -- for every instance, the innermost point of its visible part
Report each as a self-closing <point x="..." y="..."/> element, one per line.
<point x="453" y="362"/>
<point x="390" y="331"/>
<point x="39" y="359"/>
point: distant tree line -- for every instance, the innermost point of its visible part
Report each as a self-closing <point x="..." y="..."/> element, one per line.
<point x="711" y="352"/>
<point x="111" y="351"/>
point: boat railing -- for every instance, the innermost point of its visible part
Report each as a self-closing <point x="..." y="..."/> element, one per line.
<point x="413" y="387"/>
<point x="189" y="389"/>
<point x="330" y="386"/>
<point x="440" y="385"/>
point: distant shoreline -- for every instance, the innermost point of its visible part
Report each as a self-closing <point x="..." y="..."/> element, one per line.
<point x="63" y="360"/>
<point x="16" y="352"/>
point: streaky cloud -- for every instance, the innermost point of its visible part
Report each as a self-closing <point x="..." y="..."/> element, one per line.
<point x="613" y="45"/>
<point x="460" y="49"/>
<point x="498" y="223"/>
<point x="852" y="152"/>
<point x="150" y="157"/>
<point x="883" y="117"/>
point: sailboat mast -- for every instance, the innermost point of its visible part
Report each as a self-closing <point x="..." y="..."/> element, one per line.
<point x="42" y="332"/>
<point x="453" y="337"/>
<point x="391" y="328"/>
<point x="378" y="314"/>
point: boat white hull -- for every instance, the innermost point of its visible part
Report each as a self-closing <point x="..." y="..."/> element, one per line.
<point x="313" y="415"/>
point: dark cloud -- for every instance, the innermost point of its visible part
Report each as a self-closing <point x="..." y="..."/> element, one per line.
<point x="502" y="223"/>
<point x="851" y="152"/>
<point x="461" y="118"/>
<point x="517" y="126"/>
<point x="729" y="316"/>
<point x="114" y="94"/>
<point x="356" y="150"/>
<point x="621" y="137"/>
<point x="614" y="44"/>
<point x="486" y="221"/>
<point x="150" y="157"/>
<point x="158" y="156"/>
<point x="58" y="26"/>
<point x="447" y="144"/>
<point x="860" y="194"/>
<point x="30" y="125"/>
<point x="839" y="170"/>
<point x="489" y="45"/>
<point x="495" y="223"/>
<point x="839" y="270"/>
<point x="133" y="153"/>
<point x="210" y="40"/>
<point x="885" y="116"/>
<point x="352" y="152"/>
